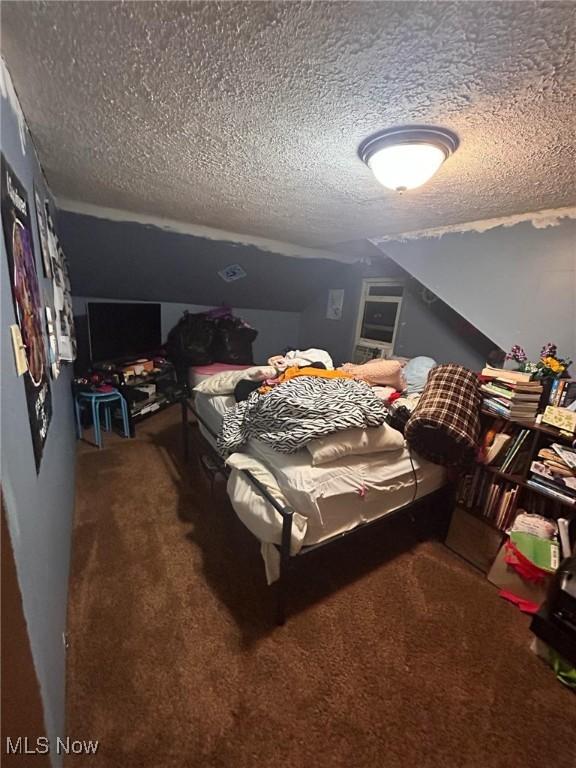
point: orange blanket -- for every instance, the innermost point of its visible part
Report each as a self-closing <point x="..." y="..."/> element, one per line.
<point x="294" y="373"/>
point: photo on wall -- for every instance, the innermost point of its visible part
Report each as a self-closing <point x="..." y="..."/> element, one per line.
<point x="43" y="234"/>
<point x="62" y="296"/>
<point x="16" y="223"/>
<point x="52" y="344"/>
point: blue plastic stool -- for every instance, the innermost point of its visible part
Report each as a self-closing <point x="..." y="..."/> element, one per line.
<point x="95" y="400"/>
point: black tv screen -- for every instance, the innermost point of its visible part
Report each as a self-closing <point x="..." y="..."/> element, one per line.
<point x="117" y="330"/>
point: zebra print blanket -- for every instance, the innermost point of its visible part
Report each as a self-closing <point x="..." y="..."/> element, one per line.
<point x="298" y="411"/>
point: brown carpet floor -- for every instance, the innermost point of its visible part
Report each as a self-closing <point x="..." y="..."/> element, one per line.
<point x="396" y="652"/>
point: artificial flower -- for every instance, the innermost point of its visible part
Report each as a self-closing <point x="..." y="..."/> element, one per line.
<point x="549" y="350"/>
<point x="518" y="354"/>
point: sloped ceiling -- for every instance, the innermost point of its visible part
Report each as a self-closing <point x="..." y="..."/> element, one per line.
<point x="517" y="285"/>
<point x="247" y="116"/>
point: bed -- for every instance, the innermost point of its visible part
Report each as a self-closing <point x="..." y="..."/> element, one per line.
<point x="293" y="507"/>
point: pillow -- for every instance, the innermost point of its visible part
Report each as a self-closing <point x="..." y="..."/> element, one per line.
<point x="387" y="373"/>
<point x="416" y="373"/>
<point x="224" y="383"/>
<point x="355" y="441"/>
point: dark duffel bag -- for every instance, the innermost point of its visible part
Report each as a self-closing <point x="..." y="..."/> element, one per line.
<point x="191" y="340"/>
<point x="233" y="342"/>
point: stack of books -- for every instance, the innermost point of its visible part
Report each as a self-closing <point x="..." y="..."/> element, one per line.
<point x="492" y="499"/>
<point x="511" y="394"/>
<point x="554" y="473"/>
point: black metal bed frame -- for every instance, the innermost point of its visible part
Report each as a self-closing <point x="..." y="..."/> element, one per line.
<point x="287" y="513"/>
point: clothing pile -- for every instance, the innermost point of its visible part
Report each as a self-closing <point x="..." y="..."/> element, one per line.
<point x="299" y="410"/>
<point x="203" y="338"/>
<point x="299" y="397"/>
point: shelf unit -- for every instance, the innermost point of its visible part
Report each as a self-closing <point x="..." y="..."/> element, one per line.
<point x="527" y="497"/>
<point x="167" y="389"/>
<point x="166" y="385"/>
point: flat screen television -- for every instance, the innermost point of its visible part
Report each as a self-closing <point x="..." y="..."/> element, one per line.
<point x="118" y="330"/>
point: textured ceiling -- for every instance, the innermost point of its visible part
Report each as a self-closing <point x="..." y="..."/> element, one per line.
<point x="247" y="116"/>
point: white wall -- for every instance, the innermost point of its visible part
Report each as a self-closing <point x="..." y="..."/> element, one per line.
<point x="276" y="330"/>
<point x="517" y="285"/>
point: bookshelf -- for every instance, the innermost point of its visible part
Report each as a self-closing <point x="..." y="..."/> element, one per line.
<point x="494" y="492"/>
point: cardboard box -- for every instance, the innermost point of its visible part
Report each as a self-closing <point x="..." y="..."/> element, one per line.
<point x="505" y="577"/>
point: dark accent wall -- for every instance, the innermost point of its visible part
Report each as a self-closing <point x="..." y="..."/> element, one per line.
<point x="39" y="507"/>
<point x="128" y="260"/>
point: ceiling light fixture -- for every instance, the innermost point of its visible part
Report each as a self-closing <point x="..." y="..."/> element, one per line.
<point x="406" y="158"/>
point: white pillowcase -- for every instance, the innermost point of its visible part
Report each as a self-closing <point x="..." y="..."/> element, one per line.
<point x="383" y="392"/>
<point x="224" y="383"/>
<point x="355" y="442"/>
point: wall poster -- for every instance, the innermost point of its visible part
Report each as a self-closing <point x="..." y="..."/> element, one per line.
<point x="63" y="316"/>
<point x="16" y="223"/>
<point x="335" y="304"/>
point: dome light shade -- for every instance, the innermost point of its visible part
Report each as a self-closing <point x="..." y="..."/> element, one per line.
<point x="406" y="158"/>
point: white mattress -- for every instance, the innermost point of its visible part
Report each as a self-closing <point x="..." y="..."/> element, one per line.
<point x="338" y="496"/>
<point x="212" y="408"/>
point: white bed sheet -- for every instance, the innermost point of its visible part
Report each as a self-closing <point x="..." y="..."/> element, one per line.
<point x="334" y="497"/>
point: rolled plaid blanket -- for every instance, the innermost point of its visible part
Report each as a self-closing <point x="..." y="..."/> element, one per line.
<point x="445" y="425"/>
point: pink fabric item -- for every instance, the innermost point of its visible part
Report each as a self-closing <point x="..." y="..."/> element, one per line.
<point x="209" y="370"/>
<point x="526" y="606"/>
<point x="378" y="372"/>
<point x="524" y="567"/>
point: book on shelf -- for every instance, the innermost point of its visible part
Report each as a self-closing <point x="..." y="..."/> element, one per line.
<point x="552" y="486"/>
<point x="493" y="453"/>
<point x="504" y="448"/>
<point x="503" y="506"/>
<point x="503" y="407"/>
<point x="553" y="463"/>
<point x="488" y="372"/>
<point x="549" y="476"/>
<point x="567" y="455"/>
<point x="512" y="400"/>
<point x="515" y="458"/>
<point x="562" y="392"/>
<point x="542" y="487"/>
<point x="512" y="393"/>
<point x="493" y="500"/>
<point x="525" y="387"/>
